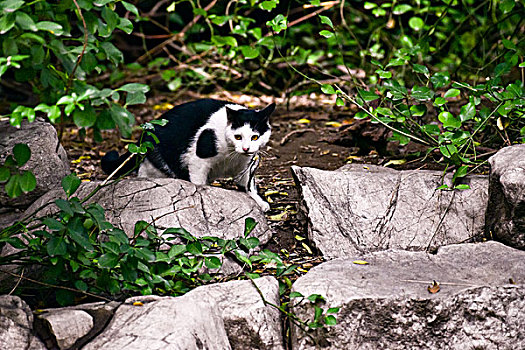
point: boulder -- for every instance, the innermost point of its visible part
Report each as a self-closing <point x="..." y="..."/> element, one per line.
<point x="16" y="325"/>
<point x="369" y="208"/>
<point x="505" y="216"/>
<point x="249" y="322"/>
<point x="164" y="323"/>
<point x="202" y="210"/>
<point x="72" y="327"/>
<point x="47" y="163"/>
<point x="386" y="304"/>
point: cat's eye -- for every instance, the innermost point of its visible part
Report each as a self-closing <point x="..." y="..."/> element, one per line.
<point x="255" y="137"/>
<point x="238" y="137"/>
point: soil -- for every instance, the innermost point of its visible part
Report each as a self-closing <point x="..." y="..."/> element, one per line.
<point x="307" y="131"/>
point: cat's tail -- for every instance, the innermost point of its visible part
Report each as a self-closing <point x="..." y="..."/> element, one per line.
<point x="111" y="161"/>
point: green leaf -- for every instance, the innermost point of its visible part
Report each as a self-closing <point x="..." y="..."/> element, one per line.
<point x="422" y="93"/>
<point x="420" y="69"/>
<point x="326" y="33"/>
<point x="176" y="250"/>
<point x="383" y="74"/>
<point x="134" y="87"/>
<point x="112" y="53"/>
<point x="327" y="21"/>
<point x="448" y="120"/>
<point x="194" y="248"/>
<point x="249" y="52"/>
<point x="56" y="246"/>
<point x="78" y="233"/>
<point x="5" y="174"/>
<point x="506" y="5"/>
<point x="224" y="40"/>
<point x="249" y="225"/>
<point x="130" y="7"/>
<point x="440" y="79"/>
<point x="11" y="5"/>
<point x="440" y="101"/>
<point x="268" y="5"/>
<point x="418" y="110"/>
<point x="212" y="262"/>
<point x="462" y="187"/>
<point x="123" y="118"/>
<point x="7" y="22"/>
<point x="416" y="23"/>
<point x="452" y="93"/>
<point x="400" y="9"/>
<point x="134" y="98"/>
<point x="25" y="21"/>
<point x="369" y="5"/>
<point x="70" y="184"/>
<point x="339" y="102"/>
<point x="53" y="224"/>
<point x="333" y="310"/>
<point x="85" y="118"/>
<point x="327" y="89"/>
<point x="52" y="27"/>
<point x="27" y="181"/>
<point x="467" y="112"/>
<point x="64" y="206"/>
<point x="296" y="295"/>
<point x="108" y="260"/>
<point x="330" y="320"/>
<point x="22" y="153"/>
<point x="125" y="25"/>
<point x="12" y="187"/>
<point x="368" y="96"/>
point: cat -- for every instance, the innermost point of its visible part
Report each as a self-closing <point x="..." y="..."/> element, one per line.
<point x="205" y="140"/>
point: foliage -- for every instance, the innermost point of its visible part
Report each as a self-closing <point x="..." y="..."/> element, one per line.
<point x="78" y="248"/>
<point x="54" y="48"/>
<point x="17" y="181"/>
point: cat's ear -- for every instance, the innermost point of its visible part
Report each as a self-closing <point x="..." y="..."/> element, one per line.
<point x="266" y="112"/>
<point x="230" y="115"/>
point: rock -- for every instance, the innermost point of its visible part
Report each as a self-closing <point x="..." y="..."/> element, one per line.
<point x="505" y="216"/>
<point x="72" y="327"/>
<point x="48" y="165"/>
<point x="369" y="208"/>
<point x="386" y="304"/>
<point x="16" y="325"/>
<point x="249" y="323"/>
<point x="202" y="210"/>
<point x="164" y="323"/>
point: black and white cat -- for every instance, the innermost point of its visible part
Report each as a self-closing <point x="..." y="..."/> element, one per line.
<point x="205" y="140"/>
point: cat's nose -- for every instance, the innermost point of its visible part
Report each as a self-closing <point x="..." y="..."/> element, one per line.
<point x="245" y="149"/>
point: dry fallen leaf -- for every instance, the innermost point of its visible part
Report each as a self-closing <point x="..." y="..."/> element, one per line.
<point x="138" y="303"/>
<point x="395" y="162"/>
<point x="334" y="124"/>
<point x="360" y="262"/>
<point x="303" y="121"/>
<point x="434" y="288"/>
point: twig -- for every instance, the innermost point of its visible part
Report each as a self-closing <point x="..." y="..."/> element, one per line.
<point x="54" y="286"/>
<point x="18" y="282"/>
<point x="116" y="170"/>
<point x="444" y="283"/>
<point x="298" y="131"/>
<point x="177" y="36"/>
<point x="441" y="220"/>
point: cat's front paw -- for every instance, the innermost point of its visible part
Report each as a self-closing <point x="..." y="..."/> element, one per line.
<point x="264" y="206"/>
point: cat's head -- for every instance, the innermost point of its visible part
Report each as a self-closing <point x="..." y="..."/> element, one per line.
<point x="248" y="130"/>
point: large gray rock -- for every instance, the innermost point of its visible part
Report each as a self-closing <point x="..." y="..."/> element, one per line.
<point x="16" y="325"/>
<point x="386" y="304"/>
<point x="505" y="217"/>
<point x="202" y="210"/>
<point x="368" y="208"/>
<point x="166" y="323"/>
<point x="72" y="327"/>
<point x="48" y="165"/>
<point x="249" y="322"/>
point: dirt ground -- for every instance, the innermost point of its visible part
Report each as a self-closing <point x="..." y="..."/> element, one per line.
<point x="307" y="131"/>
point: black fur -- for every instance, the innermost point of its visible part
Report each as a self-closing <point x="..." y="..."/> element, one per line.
<point x="207" y="144"/>
<point x="111" y="161"/>
<point x="243" y="116"/>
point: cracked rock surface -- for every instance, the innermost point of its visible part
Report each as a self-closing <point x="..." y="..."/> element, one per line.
<point x="386" y="304"/>
<point x="201" y="210"/>
<point x="506" y="208"/>
<point x="16" y="325"/>
<point x="369" y="208"/>
<point x="47" y="165"/>
<point x="227" y="315"/>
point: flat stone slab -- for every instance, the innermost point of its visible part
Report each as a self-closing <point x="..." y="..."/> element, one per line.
<point x="506" y="208"/>
<point x="201" y="210"/>
<point x="361" y="208"/>
<point x="16" y="325"/>
<point x="220" y="316"/>
<point x="386" y="305"/>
